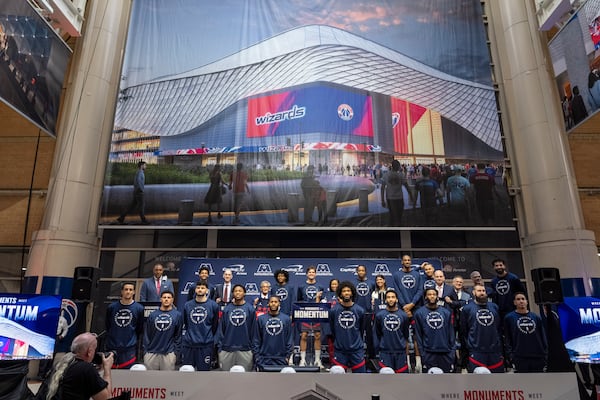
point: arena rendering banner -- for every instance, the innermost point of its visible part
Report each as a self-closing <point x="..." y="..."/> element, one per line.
<point x="312" y="102"/>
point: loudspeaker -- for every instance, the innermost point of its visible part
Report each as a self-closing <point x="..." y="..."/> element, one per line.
<point x="85" y="282"/>
<point x="546" y="282"/>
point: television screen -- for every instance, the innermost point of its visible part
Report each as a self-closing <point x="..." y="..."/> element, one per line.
<point x="28" y="326"/>
<point x="580" y="324"/>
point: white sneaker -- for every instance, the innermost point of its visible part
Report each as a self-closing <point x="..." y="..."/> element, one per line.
<point x="318" y="364"/>
<point x="302" y="363"/>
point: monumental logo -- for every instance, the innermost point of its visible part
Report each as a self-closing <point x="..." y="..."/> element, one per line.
<point x="211" y="271"/>
<point x="323" y="270"/>
<point x="251" y="289"/>
<point x="484" y="317"/>
<point x="435" y="320"/>
<point x="238" y="269"/>
<point x="381" y="269"/>
<point x="263" y="270"/>
<point x="198" y="314"/>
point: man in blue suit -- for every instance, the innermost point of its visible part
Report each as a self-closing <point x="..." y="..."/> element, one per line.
<point x="153" y="287"/>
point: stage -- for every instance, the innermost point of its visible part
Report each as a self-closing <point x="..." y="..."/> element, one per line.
<point x="313" y="386"/>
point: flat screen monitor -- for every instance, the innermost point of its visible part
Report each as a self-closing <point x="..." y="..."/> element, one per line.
<point x="28" y="326"/>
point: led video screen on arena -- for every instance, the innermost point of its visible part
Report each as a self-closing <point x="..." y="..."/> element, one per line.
<point x="315" y="102"/>
<point x="311" y="109"/>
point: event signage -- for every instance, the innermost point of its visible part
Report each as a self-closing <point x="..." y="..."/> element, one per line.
<point x="28" y="326"/>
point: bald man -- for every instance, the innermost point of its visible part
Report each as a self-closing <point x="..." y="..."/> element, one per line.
<point x="80" y="379"/>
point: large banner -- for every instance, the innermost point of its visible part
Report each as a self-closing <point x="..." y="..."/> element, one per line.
<point x="580" y="324"/>
<point x="33" y="63"/>
<point x="576" y="64"/>
<point x="264" y="385"/>
<point x="28" y="326"/>
<point x="313" y="102"/>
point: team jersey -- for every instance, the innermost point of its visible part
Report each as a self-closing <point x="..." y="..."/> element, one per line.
<point x="363" y="294"/>
<point x="481" y="327"/>
<point x="346" y="325"/>
<point x="163" y="332"/>
<point x="504" y="291"/>
<point x="434" y="329"/>
<point x="524" y="335"/>
<point x="308" y="292"/>
<point x="124" y="323"/>
<point x="409" y="287"/>
<point x="273" y="336"/>
<point x="287" y="297"/>
<point x="236" y="328"/>
<point x="390" y="331"/>
<point x="201" y="321"/>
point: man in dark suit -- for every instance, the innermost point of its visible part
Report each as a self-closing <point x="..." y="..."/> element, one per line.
<point x="222" y="293"/>
<point x="153" y="287"/>
<point x="443" y="289"/>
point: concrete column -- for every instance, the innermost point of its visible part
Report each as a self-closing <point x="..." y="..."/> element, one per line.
<point x="546" y="199"/>
<point x="68" y="236"/>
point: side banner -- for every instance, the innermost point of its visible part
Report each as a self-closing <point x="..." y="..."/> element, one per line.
<point x="310" y="312"/>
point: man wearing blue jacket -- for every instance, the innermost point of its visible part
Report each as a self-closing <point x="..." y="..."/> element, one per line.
<point x="201" y="320"/>
<point x="235" y="332"/>
<point x="435" y="333"/>
<point x="273" y="337"/>
<point x="162" y="338"/>
<point x="481" y="328"/>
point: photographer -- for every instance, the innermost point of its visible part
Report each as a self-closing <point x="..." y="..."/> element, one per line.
<point x="75" y="376"/>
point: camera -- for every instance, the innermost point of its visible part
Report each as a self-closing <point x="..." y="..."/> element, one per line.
<point x="98" y="357"/>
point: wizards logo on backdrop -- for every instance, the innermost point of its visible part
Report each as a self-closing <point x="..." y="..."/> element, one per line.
<point x="308" y="110"/>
